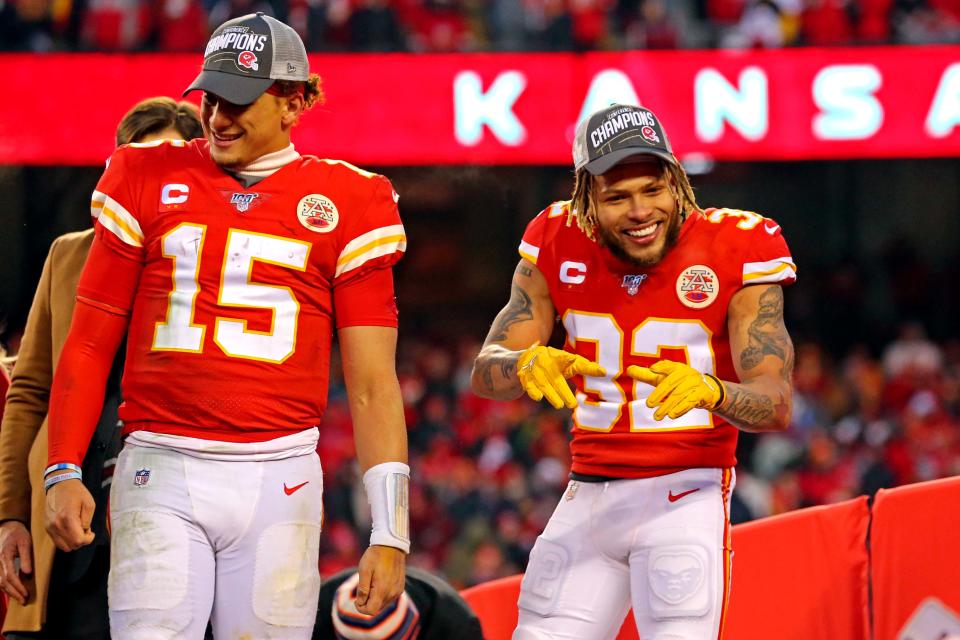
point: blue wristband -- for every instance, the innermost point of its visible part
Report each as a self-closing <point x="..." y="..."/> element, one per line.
<point x="62" y="466"/>
<point x="59" y="477"/>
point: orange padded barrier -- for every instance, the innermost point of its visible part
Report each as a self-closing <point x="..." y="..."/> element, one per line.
<point x="495" y="603"/>
<point x="915" y="544"/>
<point x="801" y="575"/>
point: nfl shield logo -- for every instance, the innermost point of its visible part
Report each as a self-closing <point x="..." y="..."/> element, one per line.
<point x="242" y="201"/>
<point x="632" y="283"/>
<point x="141" y="477"/>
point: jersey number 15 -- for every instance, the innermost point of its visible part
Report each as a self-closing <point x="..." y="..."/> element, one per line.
<point x="184" y="245"/>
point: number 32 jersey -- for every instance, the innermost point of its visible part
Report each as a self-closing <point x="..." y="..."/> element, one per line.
<point x="230" y="330"/>
<point x="621" y="315"/>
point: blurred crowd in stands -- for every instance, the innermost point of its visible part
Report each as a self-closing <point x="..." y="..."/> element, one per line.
<point x="482" y="25"/>
<point x="487" y="475"/>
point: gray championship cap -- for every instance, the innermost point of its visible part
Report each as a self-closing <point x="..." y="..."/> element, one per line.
<point x="609" y="136"/>
<point x="246" y="55"/>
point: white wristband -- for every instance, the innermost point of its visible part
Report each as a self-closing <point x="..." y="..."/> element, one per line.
<point x="388" y="491"/>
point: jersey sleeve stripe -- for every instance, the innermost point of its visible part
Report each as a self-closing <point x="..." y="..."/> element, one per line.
<point x="114" y="217"/>
<point x="395" y="241"/>
<point x="529" y="251"/>
<point x="362" y="241"/>
<point x="776" y="270"/>
<point x="377" y="249"/>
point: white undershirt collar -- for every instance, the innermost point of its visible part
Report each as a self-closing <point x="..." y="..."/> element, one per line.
<point x="267" y="165"/>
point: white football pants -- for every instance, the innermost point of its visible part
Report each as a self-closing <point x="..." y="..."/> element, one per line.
<point x="660" y="545"/>
<point x="191" y="536"/>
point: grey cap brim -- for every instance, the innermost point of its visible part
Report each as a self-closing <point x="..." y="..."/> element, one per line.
<point x="607" y="161"/>
<point x="231" y="87"/>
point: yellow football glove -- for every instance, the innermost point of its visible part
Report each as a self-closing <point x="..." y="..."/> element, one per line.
<point x="543" y="373"/>
<point x="679" y="388"/>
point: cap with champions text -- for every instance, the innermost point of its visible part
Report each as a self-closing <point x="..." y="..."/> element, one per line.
<point x="610" y="135"/>
<point x="246" y="55"/>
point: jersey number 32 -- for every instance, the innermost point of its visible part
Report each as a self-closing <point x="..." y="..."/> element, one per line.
<point x="648" y="339"/>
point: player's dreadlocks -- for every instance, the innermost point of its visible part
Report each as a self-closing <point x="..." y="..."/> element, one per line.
<point x="583" y="202"/>
<point x="312" y="90"/>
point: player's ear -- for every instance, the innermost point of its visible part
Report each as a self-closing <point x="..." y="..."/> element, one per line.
<point x="293" y="106"/>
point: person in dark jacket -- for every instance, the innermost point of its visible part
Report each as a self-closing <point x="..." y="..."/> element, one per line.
<point x="428" y="609"/>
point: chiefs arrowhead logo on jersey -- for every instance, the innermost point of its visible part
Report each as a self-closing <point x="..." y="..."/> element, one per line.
<point x="698" y="286"/>
<point x="318" y="213"/>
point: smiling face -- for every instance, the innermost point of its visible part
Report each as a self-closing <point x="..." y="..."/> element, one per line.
<point x="239" y="134"/>
<point x="637" y="215"/>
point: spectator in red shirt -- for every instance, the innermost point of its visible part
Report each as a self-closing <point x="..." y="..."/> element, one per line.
<point x="180" y="25"/>
<point x="651" y="27"/>
<point x="826" y="23"/>
<point x="590" y="23"/>
<point x="439" y="26"/>
<point x="116" y="25"/>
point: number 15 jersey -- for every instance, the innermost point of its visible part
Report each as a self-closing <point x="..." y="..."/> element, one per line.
<point x="620" y="315"/>
<point x="231" y="325"/>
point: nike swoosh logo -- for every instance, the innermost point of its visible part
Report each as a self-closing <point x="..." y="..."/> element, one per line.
<point x="291" y="490"/>
<point x="674" y="498"/>
<point x="771" y="230"/>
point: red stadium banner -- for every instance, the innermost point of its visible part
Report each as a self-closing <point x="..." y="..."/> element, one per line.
<point x="915" y="558"/>
<point x="791" y="104"/>
<point x="802" y="575"/>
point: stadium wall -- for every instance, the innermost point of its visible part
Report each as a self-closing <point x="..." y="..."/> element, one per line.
<point x="849" y="570"/>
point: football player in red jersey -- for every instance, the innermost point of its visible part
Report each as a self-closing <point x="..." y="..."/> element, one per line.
<point x="231" y="259"/>
<point x="674" y="340"/>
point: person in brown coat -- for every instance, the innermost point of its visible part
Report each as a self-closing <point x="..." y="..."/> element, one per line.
<point x="56" y="595"/>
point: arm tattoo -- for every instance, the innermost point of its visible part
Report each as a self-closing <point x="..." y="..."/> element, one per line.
<point x="486" y="374"/>
<point x="786" y="371"/>
<point x="508" y="369"/>
<point x="519" y="309"/>
<point x="767" y="335"/>
<point x="750" y="409"/>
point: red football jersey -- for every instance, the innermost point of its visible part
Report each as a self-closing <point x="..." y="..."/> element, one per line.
<point x="620" y="315"/>
<point x="231" y="325"/>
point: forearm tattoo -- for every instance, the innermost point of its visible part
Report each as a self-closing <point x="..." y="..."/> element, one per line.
<point x="744" y="405"/>
<point x="519" y="309"/>
<point x="748" y="408"/>
<point x="753" y="410"/>
<point x="508" y="370"/>
<point x="767" y="335"/>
